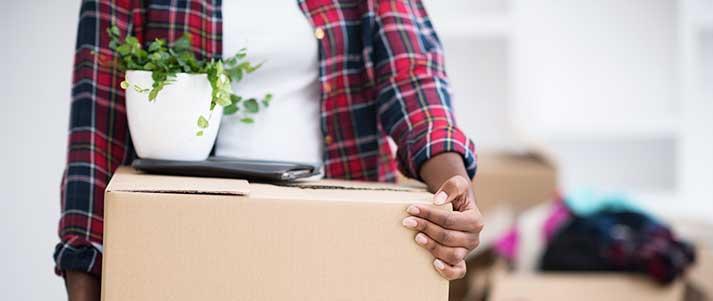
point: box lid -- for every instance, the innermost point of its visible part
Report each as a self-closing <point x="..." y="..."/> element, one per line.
<point x="128" y="179"/>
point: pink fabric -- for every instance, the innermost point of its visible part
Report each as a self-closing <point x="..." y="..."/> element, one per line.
<point x="559" y="215"/>
<point x="506" y="247"/>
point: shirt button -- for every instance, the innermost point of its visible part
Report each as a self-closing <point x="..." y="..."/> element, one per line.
<point x="319" y="33"/>
<point x="328" y="139"/>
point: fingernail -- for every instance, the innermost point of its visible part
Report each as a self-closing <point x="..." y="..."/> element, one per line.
<point x="439" y="264"/>
<point x="421" y="239"/>
<point x="409" y="222"/>
<point x="412" y="209"/>
<point x="440" y="198"/>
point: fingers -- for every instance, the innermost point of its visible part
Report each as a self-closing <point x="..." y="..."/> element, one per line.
<point x="450" y="272"/>
<point x="443" y="236"/>
<point x="450" y="255"/>
<point x="451" y="190"/>
<point x="468" y="220"/>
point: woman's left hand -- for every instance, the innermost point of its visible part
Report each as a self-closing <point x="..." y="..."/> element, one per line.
<point x="449" y="235"/>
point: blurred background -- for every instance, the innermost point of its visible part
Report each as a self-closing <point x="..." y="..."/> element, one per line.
<point x="617" y="94"/>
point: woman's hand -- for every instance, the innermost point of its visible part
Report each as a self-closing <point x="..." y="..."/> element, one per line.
<point x="449" y="235"/>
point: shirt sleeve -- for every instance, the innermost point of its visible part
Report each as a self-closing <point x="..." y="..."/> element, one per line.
<point x="99" y="140"/>
<point x="414" y="100"/>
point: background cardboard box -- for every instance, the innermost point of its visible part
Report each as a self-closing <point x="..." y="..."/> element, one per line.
<point x="488" y="279"/>
<point x="581" y="287"/>
<point x="518" y="180"/>
<point x="180" y="238"/>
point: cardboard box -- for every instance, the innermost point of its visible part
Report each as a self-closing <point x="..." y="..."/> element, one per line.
<point x="700" y="275"/>
<point x="518" y="180"/>
<point x="477" y="281"/>
<point x="580" y="287"/>
<point x="181" y="238"/>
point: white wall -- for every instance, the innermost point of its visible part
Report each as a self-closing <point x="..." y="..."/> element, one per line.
<point x="38" y="42"/>
<point x="605" y="86"/>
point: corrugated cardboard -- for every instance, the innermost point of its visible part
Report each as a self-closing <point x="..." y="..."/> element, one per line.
<point x="516" y="180"/>
<point x="170" y="238"/>
<point x="581" y="287"/>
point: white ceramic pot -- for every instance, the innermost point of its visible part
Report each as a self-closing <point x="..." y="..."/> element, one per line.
<point x="166" y="127"/>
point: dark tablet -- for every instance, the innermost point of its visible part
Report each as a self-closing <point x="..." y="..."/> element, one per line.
<point x="222" y="167"/>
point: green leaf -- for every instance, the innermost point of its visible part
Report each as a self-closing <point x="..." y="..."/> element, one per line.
<point x="251" y="105"/>
<point x="124" y="84"/>
<point x="253" y="68"/>
<point x="156" y="45"/>
<point x="155" y="56"/>
<point x="114" y="30"/>
<point x="242" y="53"/>
<point x="132" y="41"/>
<point x="199" y="133"/>
<point x="266" y="101"/>
<point x="235" y="98"/>
<point x="236" y="74"/>
<point x="222" y="99"/>
<point x="141" y="54"/>
<point x="183" y="43"/>
<point x="113" y="44"/>
<point x="230" y="110"/>
<point x="202" y="122"/>
<point x="231" y="61"/>
<point x="247" y="120"/>
<point x="123" y="49"/>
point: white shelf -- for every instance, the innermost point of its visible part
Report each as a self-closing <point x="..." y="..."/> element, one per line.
<point x="478" y="26"/>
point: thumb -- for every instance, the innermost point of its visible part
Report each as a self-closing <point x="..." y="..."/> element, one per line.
<point x="451" y="190"/>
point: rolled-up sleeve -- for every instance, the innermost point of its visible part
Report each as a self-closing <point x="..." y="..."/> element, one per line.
<point x="414" y="98"/>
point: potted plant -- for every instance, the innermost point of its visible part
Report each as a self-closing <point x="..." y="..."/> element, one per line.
<point x="171" y="96"/>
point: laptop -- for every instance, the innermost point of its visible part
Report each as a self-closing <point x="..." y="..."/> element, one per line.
<point x="224" y="167"/>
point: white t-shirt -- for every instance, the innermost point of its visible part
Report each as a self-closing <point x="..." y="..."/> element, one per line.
<point x="277" y="33"/>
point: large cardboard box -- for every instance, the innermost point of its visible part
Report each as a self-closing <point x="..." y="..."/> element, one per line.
<point x="586" y="286"/>
<point x="518" y="180"/>
<point x="180" y="238"/>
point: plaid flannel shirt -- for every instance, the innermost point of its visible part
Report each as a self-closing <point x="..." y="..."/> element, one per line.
<point x="381" y="74"/>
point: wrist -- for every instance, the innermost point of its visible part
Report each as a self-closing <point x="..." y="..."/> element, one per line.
<point x="439" y="168"/>
<point x="82" y="286"/>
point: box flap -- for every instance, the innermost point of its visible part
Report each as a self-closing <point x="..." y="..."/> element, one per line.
<point x="130" y="180"/>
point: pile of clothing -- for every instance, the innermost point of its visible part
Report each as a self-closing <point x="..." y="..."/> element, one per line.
<point x="590" y="232"/>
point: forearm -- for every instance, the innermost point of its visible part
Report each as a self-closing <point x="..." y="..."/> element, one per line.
<point x="82" y="286"/>
<point x="442" y="167"/>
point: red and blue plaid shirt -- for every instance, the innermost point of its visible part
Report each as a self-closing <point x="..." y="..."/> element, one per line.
<point x="381" y="74"/>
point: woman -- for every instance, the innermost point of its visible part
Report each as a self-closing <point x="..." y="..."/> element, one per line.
<point x="345" y="74"/>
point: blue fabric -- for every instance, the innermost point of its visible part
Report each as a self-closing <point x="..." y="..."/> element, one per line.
<point x="585" y="201"/>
